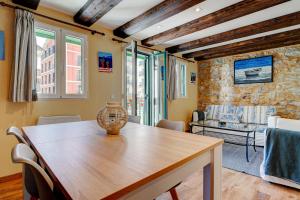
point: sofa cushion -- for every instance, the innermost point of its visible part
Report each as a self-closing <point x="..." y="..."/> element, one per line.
<point x="218" y="109"/>
<point x="265" y="112"/>
<point x="230" y="118"/>
<point x="230" y="109"/>
<point x="253" y="114"/>
<point x="240" y="111"/>
<point x="209" y="112"/>
<point x="246" y="114"/>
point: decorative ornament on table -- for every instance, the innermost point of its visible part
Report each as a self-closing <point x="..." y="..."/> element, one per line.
<point x="112" y="117"/>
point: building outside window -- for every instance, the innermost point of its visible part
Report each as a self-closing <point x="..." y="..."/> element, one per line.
<point x="53" y="41"/>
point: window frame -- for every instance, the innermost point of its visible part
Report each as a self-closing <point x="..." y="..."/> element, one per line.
<point x="56" y="30"/>
<point x="83" y="65"/>
<point x="60" y="63"/>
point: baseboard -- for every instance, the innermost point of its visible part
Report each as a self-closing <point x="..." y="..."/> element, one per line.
<point x="10" y="177"/>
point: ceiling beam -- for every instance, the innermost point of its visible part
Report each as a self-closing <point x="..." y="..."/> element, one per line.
<point x="162" y="11"/>
<point x="226" y="14"/>
<point x="32" y="4"/>
<point x="262" y="43"/>
<point x="93" y="10"/>
<point x="253" y="29"/>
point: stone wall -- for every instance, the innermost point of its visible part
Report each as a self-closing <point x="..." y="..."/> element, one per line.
<point x="215" y="82"/>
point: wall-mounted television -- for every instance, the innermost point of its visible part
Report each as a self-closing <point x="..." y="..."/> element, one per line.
<point x="253" y="70"/>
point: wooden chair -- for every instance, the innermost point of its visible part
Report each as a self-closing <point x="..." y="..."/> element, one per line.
<point x="28" y="180"/>
<point x="172" y="125"/>
<point x="22" y="153"/>
<point x="134" y="119"/>
<point x="176" y="126"/>
<point x="43" y="120"/>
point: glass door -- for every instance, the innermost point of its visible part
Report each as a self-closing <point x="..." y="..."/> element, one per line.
<point x="144" y="85"/>
<point x="159" y="86"/>
<point x="137" y="85"/>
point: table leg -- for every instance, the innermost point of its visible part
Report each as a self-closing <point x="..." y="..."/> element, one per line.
<point x="254" y="144"/>
<point x="212" y="176"/>
<point x="247" y="147"/>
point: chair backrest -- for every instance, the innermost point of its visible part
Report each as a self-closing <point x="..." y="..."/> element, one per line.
<point x="29" y="181"/>
<point x="17" y="133"/>
<point x="134" y="119"/>
<point x="22" y="153"/>
<point x="43" y="120"/>
<point x="172" y="125"/>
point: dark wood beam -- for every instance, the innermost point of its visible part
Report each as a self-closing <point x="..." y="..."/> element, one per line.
<point x="154" y="15"/>
<point x="262" y="43"/>
<point x="94" y="10"/>
<point x="251" y="44"/>
<point x="226" y="14"/>
<point x="32" y="4"/>
<point x="253" y="29"/>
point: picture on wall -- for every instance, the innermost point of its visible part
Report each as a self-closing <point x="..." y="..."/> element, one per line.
<point x="2" y="45"/>
<point x="253" y="70"/>
<point x="104" y="62"/>
<point x="193" y="78"/>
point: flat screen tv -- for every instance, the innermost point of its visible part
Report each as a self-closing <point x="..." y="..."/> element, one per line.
<point x="253" y="70"/>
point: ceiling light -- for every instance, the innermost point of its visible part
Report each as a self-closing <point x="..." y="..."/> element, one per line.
<point x="159" y="26"/>
<point x="198" y="9"/>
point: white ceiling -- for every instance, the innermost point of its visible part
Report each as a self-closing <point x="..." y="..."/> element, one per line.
<point x="129" y="9"/>
<point x="68" y="6"/>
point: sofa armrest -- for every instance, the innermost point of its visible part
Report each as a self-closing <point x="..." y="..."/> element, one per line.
<point x="288" y="124"/>
<point x="272" y="121"/>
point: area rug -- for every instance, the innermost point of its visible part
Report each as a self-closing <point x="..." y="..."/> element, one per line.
<point x="234" y="157"/>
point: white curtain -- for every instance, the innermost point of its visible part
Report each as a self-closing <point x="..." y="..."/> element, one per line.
<point x="171" y="79"/>
<point x="23" y="75"/>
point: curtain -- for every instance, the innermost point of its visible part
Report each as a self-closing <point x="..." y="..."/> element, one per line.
<point x="171" y="79"/>
<point x="23" y="76"/>
<point x="181" y="78"/>
<point x="178" y="80"/>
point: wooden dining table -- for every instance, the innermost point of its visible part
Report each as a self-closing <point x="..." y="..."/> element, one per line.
<point x="141" y="163"/>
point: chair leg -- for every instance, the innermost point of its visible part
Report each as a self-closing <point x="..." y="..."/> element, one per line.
<point x="173" y="194"/>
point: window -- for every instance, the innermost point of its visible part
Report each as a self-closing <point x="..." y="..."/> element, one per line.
<point x="181" y="79"/>
<point x="61" y="57"/>
<point x="73" y="51"/>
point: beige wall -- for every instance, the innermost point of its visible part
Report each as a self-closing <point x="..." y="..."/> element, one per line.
<point x="216" y="82"/>
<point x="181" y="109"/>
<point x="101" y="87"/>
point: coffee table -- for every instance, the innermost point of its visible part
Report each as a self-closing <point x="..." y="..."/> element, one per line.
<point x="244" y="138"/>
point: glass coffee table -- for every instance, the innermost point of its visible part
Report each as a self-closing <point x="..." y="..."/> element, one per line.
<point x="245" y="137"/>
